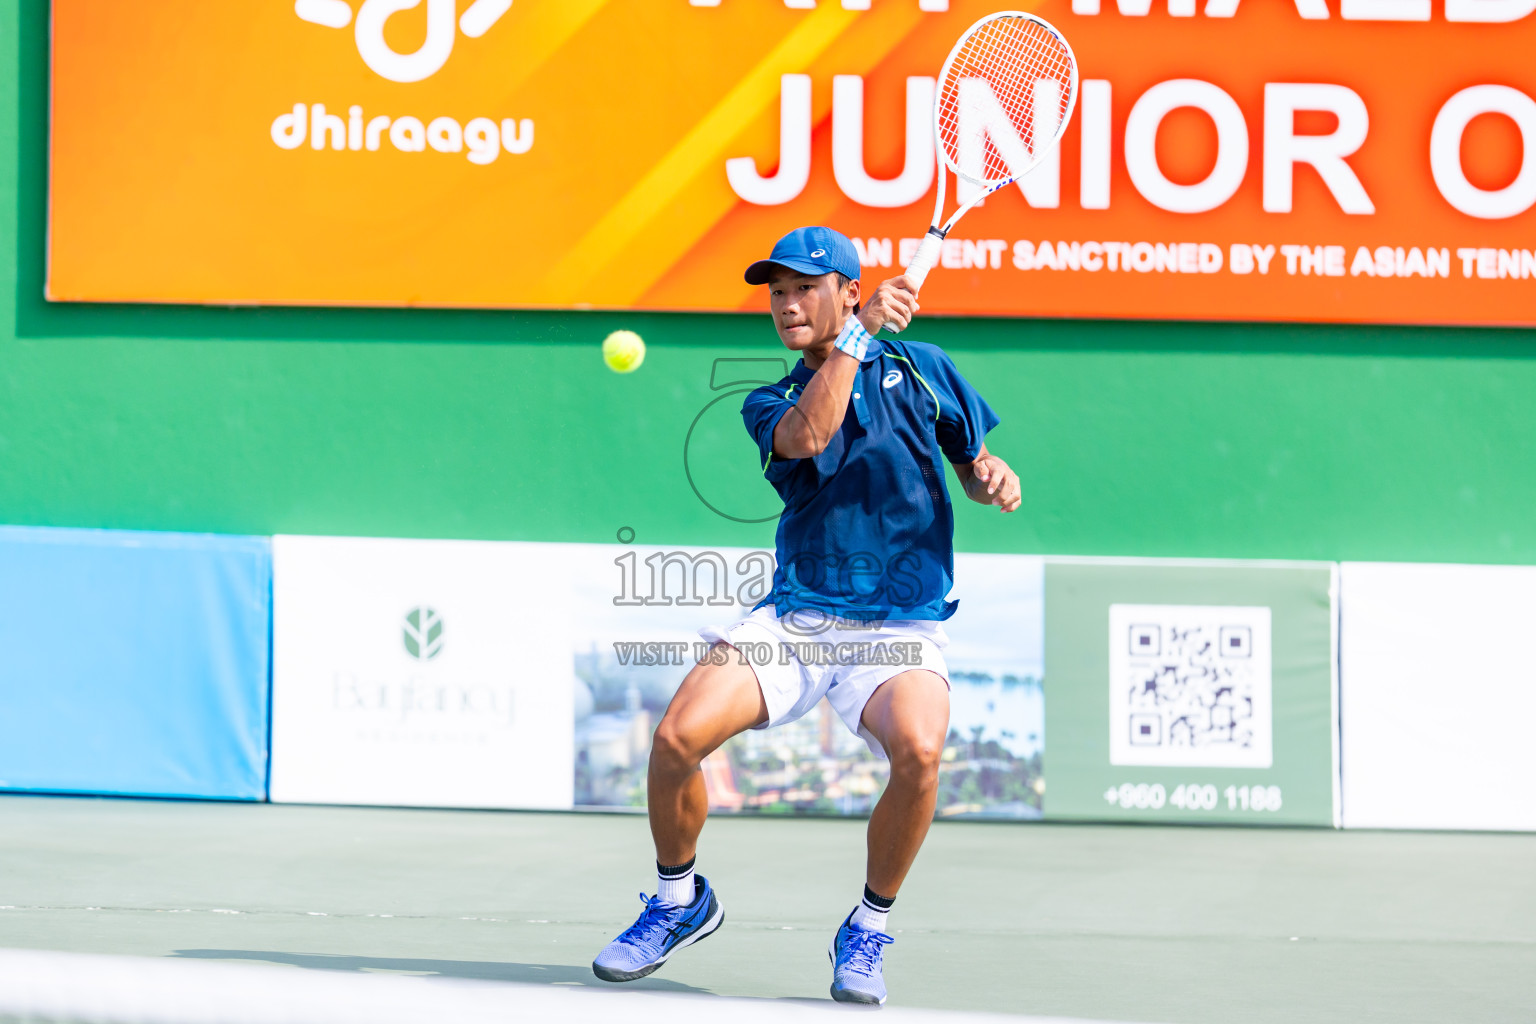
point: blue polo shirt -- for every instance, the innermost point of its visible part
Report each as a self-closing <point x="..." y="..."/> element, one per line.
<point x="867" y="530"/>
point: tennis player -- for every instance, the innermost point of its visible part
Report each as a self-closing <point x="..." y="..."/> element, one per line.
<point x="851" y="441"/>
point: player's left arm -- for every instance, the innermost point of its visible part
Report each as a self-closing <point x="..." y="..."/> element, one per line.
<point x="988" y="480"/>
<point x="961" y="425"/>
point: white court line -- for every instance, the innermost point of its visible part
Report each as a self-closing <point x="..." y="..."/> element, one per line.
<point x="86" y="988"/>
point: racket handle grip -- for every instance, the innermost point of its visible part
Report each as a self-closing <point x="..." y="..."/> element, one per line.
<point x="922" y="261"/>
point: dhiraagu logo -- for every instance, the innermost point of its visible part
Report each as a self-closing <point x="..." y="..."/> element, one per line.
<point x="481" y="139"/>
<point x="423" y="634"/>
<point x="442" y="28"/>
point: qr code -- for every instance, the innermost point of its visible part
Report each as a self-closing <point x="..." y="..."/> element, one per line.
<point x="1189" y="686"/>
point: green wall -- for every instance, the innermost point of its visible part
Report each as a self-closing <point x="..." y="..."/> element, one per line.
<point x="1131" y="438"/>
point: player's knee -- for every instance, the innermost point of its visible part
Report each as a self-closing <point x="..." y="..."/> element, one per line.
<point x="916" y="758"/>
<point x="673" y="749"/>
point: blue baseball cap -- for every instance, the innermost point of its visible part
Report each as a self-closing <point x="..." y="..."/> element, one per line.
<point x="812" y="250"/>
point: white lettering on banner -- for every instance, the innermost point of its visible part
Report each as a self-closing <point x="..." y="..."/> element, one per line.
<point x="1283" y="148"/>
<point x="1310" y="9"/>
<point x="446" y="136"/>
<point x="1488" y="10"/>
<point x="972" y="254"/>
<point x="516" y="136"/>
<point x="1141" y="146"/>
<point x="848" y="5"/>
<point x="1137" y="8"/>
<point x="1246" y="258"/>
<point x="1094" y="125"/>
<point x="1493" y="264"/>
<point x="1323" y="260"/>
<point x="290" y="130"/>
<point x="336" y="13"/>
<point x="484" y="139"/>
<point x="1140" y="8"/>
<point x="983" y="123"/>
<point x="323" y="125"/>
<point x="408" y="134"/>
<point x="1384" y="10"/>
<point x="1445" y="152"/>
<point x="794" y="151"/>
<point x="1386" y="261"/>
<point x="873" y="252"/>
<point x="1143" y="257"/>
<point x="1241" y="258"/>
<point x="982" y="118"/>
<point x="848" y="167"/>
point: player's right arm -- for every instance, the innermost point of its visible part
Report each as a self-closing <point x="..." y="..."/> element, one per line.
<point x="808" y="426"/>
<point x="807" y="429"/>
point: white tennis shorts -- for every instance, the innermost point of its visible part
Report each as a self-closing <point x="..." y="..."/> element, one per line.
<point x="808" y="655"/>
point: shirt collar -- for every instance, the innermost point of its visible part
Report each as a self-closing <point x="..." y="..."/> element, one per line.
<point x="801" y="374"/>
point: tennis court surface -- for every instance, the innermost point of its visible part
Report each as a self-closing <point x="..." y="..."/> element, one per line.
<point x="1177" y="925"/>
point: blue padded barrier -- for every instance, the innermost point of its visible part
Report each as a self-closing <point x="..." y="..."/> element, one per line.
<point x="134" y="663"/>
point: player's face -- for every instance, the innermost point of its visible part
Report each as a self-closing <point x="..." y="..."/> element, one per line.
<point x="809" y="310"/>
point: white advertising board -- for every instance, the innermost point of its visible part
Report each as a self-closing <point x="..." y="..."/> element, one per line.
<point x="1438" y="696"/>
<point x="421" y="673"/>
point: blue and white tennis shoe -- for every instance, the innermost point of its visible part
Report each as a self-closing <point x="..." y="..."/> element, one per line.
<point x="661" y="930"/>
<point x="856" y="969"/>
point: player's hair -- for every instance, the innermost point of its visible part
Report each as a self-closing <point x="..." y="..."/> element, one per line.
<point x="842" y="282"/>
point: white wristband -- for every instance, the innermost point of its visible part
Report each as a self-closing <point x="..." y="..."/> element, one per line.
<point x="854" y="339"/>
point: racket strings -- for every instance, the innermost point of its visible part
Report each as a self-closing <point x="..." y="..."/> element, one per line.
<point x="1012" y="56"/>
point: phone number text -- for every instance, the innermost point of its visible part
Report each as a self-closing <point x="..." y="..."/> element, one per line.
<point x="1142" y="796"/>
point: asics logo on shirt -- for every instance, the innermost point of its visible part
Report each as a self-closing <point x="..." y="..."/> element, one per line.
<point x="891" y="379"/>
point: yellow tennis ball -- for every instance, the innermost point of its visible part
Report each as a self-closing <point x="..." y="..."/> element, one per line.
<point x="623" y="351"/>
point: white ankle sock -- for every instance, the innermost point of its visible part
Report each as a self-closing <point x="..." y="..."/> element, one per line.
<point x="873" y="911"/>
<point x="675" y="884"/>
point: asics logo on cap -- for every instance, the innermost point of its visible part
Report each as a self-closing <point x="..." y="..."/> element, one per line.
<point x="808" y="250"/>
<point x="891" y="379"/>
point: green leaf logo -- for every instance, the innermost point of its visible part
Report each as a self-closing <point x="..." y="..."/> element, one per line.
<point x="423" y="634"/>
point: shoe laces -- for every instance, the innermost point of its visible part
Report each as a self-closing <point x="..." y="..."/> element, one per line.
<point x="652" y="923"/>
<point x="862" y="949"/>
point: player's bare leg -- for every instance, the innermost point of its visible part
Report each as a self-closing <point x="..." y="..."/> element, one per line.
<point x="715" y="702"/>
<point x="909" y="715"/>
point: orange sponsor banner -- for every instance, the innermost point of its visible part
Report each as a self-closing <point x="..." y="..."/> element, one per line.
<point x="1325" y="160"/>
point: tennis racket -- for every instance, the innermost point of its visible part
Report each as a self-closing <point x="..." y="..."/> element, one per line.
<point x="1005" y="96"/>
